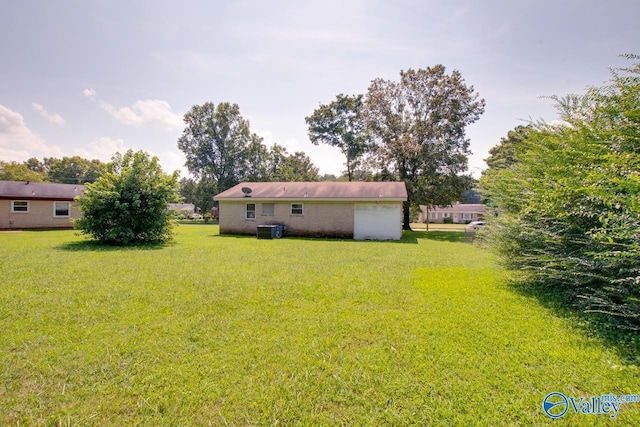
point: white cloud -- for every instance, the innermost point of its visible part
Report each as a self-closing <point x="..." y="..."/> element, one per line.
<point x="54" y="118"/>
<point x="89" y="93"/>
<point x="152" y="112"/>
<point x="102" y="149"/>
<point x="18" y="142"/>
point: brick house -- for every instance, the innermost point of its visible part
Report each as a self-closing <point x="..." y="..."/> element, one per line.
<point x="459" y="213"/>
<point x="38" y="205"/>
<point x="357" y="210"/>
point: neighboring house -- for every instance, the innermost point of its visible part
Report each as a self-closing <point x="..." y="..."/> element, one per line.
<point x="358" y="210"/>
<point x="182" y="209"/>
<point x="459" y="213"/>
<point x="38" y="205"/>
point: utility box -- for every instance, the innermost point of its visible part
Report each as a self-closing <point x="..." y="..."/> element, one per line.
<point x="270" y="231"/>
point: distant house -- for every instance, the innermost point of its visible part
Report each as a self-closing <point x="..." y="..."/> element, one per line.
<point x="182" y="209"/>
<point x="358" y="210"/>
<point x="38" y="205"/>
<point x="459" y="213"/>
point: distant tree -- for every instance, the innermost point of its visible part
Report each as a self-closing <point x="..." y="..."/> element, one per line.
<point x="36" y="165"/>
<point x="502" y="156"/>
<point x="341" y="124"/>
<point x="14" y="171"/>
<point x="128" y="204"/>
<point x="293" y="167"/>
<point x="419" y="128"/>
<point x="217" y="141"/>
<point x="73" y="170"/>
<point x="328" y="177"/>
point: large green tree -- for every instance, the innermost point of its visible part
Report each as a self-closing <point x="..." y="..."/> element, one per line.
<point x="216" y="142"/>
<point x="128" y="204"/>
<point x="72" y="170"/>
<point x="14" y="171"/>
<point x="569" y="205"/>
<point x="341" y="124"/>
<point x="419" y="125"/>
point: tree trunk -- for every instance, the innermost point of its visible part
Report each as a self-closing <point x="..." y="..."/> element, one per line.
<point x="406" y="221"/>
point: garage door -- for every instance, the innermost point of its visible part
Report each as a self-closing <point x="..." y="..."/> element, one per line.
<point x="377" y="221"/>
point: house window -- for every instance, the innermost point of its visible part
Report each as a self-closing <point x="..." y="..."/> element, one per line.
<point x="250" y="211"/>
<point x="433" y="215"/>
<point x="20" y="206"/>
<point x="268" y="209"/>
<point x="61" y="209"/>
<point x="446" y="215"/>
<point x="296" y="209"/>
<point x="467" y="216"/>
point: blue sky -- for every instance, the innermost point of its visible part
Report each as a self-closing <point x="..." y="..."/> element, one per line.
<point x="91" y="78"/>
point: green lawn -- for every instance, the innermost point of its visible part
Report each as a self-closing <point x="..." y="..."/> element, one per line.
<point x="233" y="330"/>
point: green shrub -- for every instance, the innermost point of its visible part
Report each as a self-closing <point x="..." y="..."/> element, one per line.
<point x="569" y="207"/>
<point x="128" y="204"/>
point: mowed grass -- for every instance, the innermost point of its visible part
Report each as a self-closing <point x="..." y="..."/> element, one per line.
<point x="215" y="330"/>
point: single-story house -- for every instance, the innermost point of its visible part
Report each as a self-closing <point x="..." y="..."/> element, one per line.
<point x="38" y="205"/>
<point x="459" y="213"/>
<point x="182" y="209"/>
<point x="358" y="210"/>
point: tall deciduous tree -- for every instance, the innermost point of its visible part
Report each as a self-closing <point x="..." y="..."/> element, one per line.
<point x="216" y="141"/>
<point x="128" y="204"/>
<point x="419" y="126"/>
<point x="341" y="124"/>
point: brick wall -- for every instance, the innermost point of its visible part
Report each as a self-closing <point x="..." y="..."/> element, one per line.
<point x="318" y="219"/>
<point x="40" y="215"/>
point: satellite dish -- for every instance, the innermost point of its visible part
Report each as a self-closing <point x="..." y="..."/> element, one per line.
<point x="246" y="191"/>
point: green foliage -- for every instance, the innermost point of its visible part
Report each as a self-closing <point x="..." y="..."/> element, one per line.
<point x="73" y="170"/>
<point x="14" y="171"/>
<point x="419" y="126"/>
<point x="341" y="124"/>
<point x="569" y="207"/>
<point x="128" y="204"/>
<point x="221" y="151"/>
<point x="68" y="170"/>
<point x="424" y="331"/>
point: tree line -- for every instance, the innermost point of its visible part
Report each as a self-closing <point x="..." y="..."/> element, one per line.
<point x="67" y="170"/>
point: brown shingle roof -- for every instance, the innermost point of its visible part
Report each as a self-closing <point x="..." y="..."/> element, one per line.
<point x="39" y="190"/>
<point x="365" y="191"/>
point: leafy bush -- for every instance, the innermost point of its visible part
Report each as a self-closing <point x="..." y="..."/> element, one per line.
<point x="569" y="206"/>
<point x="128" y="204"/>
<point x="448" y="220"/>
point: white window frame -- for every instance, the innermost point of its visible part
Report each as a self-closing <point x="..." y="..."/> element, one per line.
<point x="268" y="212"/>
<point x="301" y="209"/>
<point x="433" y="215"/>
<point x="247" y="211"/>
<point x="13" y="206"/>
<point x="446" y="215"/>
<point x="55" y="210"/>
<point x="466" y="216"/>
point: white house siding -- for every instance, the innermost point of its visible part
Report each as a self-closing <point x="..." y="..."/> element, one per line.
<point x="377" y="221"/>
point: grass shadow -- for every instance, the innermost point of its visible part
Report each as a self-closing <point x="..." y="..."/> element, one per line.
<point x="438" y="236"/>
<point x="626" y="343"/>
<point x="96" y="246"/>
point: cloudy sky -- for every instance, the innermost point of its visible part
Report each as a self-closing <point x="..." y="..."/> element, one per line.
<point x="92" y="77"/>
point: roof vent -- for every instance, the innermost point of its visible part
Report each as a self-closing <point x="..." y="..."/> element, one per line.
<point x="246" y="191"/>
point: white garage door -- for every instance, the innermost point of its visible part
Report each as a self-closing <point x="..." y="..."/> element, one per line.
<point x="377" y="221"/>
